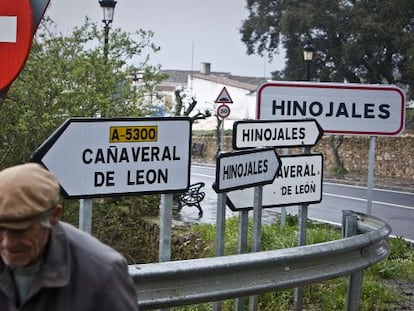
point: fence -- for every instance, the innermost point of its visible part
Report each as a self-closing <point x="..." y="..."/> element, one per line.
<point x="178" y="283"/>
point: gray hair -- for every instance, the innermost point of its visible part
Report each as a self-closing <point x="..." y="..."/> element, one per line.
<point x="44" y="219"/>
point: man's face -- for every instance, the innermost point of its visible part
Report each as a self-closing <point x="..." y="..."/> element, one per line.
<point x="20" y="248"/>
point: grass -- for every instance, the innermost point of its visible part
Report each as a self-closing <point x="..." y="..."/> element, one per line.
<point x="327" y="295"/>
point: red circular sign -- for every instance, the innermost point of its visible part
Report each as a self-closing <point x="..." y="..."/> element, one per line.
<point x="16" y="24"/>
<point x="223" y="111"/>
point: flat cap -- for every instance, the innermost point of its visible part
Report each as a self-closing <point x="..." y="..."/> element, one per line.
<point x="26" y="191"/>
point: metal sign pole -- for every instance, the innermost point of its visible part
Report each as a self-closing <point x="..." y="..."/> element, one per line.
<point x="302" y="225"/>
<point x="165" y="227"/>
<point x="256" y="237"/>
<point x="242" y="246"/>
<point x="222" y="136"/>
<point x="371" y="167"/>
<point x="283" y="208"/>
<point x="303" y="216"/>
<point x="243" y="230"/>
<point x="257" y="219"/>
<point x="221" y="223"/>
<point x="85" y="215"/>
<point x="220" y="231"/>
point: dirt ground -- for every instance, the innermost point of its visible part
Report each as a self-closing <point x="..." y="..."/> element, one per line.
<point x="406" y="288"/>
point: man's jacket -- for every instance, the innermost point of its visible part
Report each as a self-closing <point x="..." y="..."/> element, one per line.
<point x="78" y="273"/>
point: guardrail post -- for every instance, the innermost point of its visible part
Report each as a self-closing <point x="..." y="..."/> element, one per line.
<point x="350" y="228"/>
<point x="349" y="223"/>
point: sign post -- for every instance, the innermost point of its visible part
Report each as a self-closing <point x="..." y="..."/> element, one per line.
<point x="282" y="134"/>
<point x="120" y="156"/>
<point x="108" y="157"/>
<point x="223" y="97"/>
<point x="223" y="111"/>
<point x="246" y="169"/>
<point x="340" y="109"/>
<point x="343" y="109"/>
<point x="299" y="181"/>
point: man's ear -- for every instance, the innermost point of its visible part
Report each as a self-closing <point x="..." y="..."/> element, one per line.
<point x="56" y="214"/>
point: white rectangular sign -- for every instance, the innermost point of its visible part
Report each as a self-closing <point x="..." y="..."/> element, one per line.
<point x="246" y="169"/>
<point x="96" y="157"/>
<point x="8" y="26"/>
<point x="298" y="181"/>
<point x="267" y="133"/>
<point x="349" y="109"/>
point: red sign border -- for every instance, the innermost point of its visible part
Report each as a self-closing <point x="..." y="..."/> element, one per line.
<point x="349" y="86"/>
<point x="218" y="109"/>
<point x="28" y="22"/>
<point x="219" y="101"/>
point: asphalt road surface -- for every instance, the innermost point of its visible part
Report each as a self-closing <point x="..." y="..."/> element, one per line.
<point x="394" y="207"/>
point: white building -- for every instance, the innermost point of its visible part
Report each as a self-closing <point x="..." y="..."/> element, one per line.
<point x="205" y="86"/>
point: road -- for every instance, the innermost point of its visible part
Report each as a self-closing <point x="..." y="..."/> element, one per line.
<point x="396" y="208"/>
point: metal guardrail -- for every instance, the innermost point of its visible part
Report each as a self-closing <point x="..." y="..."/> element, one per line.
<point x="178" y="283"/>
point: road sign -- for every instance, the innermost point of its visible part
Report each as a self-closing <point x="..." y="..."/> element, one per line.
<point x="16" y="24"/>
<point x="262" y="133"/>
<point x="224" y="97"/>
<point x="246" y="169"/>
<point x="101" y="157"/>
<point x="357" y="109"/>
<point x="298" y="181"/>
<point x="223" y="111"/>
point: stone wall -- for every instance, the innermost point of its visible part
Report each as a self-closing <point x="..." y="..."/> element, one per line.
<point x="393" y="155"/>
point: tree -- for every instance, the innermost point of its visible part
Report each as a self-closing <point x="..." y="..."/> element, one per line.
<point x="359" y="41"/>
<point x="185" y="105"/>
<point x="355" y="40"/>
<point x="68" y="76"/>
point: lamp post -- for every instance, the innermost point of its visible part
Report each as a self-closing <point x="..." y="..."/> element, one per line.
<point x="137" y="80"/>
<point x="308" y="56"/>
<point x="108" y="7"/>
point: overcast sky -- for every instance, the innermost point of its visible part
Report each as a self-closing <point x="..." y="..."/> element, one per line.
<point x="189" y="32"/>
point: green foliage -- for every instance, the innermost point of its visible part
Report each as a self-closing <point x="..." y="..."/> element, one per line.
<point x="68" y="76"/>
<point x="399" y="264"/>
<point x="123" y="225"/>
<point x="377" y="296"/>
<point x="327" y="295"/>
<point x="353" y="40"/>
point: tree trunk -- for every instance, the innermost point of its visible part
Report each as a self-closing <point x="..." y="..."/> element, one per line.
<point x="335" y="142"/>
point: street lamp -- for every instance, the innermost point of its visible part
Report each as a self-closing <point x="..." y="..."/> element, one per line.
<point x="137" y="80"/>
<point x="308" y="56"/>
<point x="108" y="7"/>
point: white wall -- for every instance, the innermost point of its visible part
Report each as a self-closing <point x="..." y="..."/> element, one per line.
<point x="206" y="92"/>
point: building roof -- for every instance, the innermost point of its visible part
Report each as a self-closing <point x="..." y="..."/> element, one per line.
<point x="247" y="83"/>
<point x="180" y="78"/>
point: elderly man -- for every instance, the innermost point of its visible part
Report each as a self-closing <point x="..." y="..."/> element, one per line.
<point x="46" y="264"/>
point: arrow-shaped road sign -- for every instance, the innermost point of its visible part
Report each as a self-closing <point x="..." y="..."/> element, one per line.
<point x="246" y="169"/>
<point x="107" y="157"/>
<point x="298" y="181"/>
<point x="268" y="133"/>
